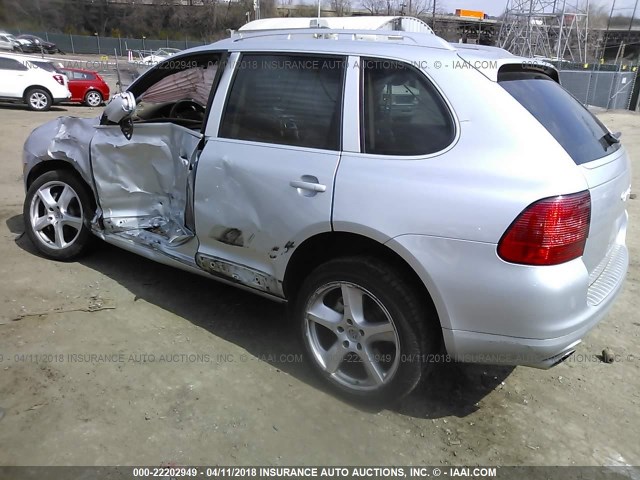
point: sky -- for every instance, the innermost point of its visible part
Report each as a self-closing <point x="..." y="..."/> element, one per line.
<point x="496" y="7"/>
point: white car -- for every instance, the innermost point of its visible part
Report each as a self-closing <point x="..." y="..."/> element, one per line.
<point x="22" y="81"/>
<point x="6" y="43"/>
<point x="16" y="44"/>
<point x="159" y="56"/>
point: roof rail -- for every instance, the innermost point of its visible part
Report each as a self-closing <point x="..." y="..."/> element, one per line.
<point x="422" y="39"/>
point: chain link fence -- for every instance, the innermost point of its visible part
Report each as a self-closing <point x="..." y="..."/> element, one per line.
<point x="108" y="45"/>
<point x="600" y="85"/>
<point x="607" y="86"/>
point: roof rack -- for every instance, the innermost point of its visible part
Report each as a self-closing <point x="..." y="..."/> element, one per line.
<point x="321" y="33"/>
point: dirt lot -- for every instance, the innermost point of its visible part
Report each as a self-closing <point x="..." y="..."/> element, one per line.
<point x="201" y="373"/>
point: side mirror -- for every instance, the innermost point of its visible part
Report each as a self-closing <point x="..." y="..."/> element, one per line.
<point x="119" y="111"/>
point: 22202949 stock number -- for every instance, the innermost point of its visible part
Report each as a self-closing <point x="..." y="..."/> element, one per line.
<point x="193" y="472"/>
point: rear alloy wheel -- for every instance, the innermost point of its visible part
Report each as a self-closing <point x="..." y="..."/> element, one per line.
<point x="365" y="329"/>
<point x="93" y="99"/>
<point x="38" y="99"/>
<point x="57" y="212"/>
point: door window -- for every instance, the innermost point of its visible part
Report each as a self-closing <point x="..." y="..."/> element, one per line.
<point x="11" y="64"/>
<point x="83" y="76"/>
<point x="402" y="112"/>
<point x="286" y="99"/>
<point x="176" y="91"/>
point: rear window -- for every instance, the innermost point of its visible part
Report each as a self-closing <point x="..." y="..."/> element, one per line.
<point x="576" y="129"/>
<point x="45" y="66"/>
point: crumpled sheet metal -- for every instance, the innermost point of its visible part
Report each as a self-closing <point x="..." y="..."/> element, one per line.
<point x="65" y="138"/>
<point x="142" y="182"/>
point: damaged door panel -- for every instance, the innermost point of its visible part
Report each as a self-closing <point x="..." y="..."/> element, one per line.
<point x="265" y="177"/>
<point x="143" y="183"/>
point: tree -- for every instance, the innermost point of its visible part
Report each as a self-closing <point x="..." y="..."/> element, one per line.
<point x="374" y="7"/>
<point x="340" y="7"/>
<point x="414" y="8"/>
<point x="417" y="8"/>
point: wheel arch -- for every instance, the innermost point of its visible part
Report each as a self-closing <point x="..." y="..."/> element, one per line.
<point x="43" y="167"/>
<point x="329" y="245"/>
<point x="34" y="87"/>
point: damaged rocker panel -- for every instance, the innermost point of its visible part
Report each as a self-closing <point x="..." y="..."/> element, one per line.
<point x="239" y="274"/>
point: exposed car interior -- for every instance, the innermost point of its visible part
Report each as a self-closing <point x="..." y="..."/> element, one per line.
<point x="179" y="96"/>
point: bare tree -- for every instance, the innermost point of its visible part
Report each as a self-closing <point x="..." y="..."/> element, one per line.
<point x="413" y="8"/>
<point x="268" y="8"/>
<point x="153" y="19"/>
<point x="418" y="8"/>
<point x="374" y="7"/>
<point x="340" y="7"/>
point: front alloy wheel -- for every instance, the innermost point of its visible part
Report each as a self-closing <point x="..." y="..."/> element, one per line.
<point x="365" y="328"/>
<point x="57" y="210"/>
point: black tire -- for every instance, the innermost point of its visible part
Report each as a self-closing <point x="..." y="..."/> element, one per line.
<point x="412" y="317"/>
<point x="93" y="98"/>
<point x="43" y="222"/>
<point x="38" y="99"/>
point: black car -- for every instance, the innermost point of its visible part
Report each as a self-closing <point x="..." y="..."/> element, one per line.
<point x="37" y="45"/>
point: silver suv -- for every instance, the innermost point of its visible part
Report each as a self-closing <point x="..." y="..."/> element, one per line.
<point x="413" y="201"/>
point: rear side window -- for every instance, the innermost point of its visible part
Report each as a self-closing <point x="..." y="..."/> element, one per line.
<point x="402" y="112"/>
<point x="287" y="100"/>
<point x="83" y="76"/>
<point x="576" y="129"/>
<point x="45" y="66"/>
<point x="11" y="64"/>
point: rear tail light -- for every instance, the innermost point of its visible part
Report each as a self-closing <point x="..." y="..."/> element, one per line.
<point x="548" y="232"/>
<point x="59" y="79"/>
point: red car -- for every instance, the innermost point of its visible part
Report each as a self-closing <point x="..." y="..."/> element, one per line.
<point x="86" y="86"/>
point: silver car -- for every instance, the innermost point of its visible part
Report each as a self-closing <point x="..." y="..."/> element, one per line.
<point x="415" y="202"/>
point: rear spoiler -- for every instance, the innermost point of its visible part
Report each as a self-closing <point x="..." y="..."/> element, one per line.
<point x="495" y="62"/>
<point x="510" y="70"/>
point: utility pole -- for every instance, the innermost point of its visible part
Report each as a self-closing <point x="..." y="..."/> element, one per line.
<point x="433" y="20"/>
<point x="606" y="33"/>
<point x="633" y="16"/>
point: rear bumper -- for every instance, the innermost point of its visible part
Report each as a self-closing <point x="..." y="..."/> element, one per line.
<point x="59" y="98"/>
<point x="493" y="312"/>
<point x="474" y="347"/>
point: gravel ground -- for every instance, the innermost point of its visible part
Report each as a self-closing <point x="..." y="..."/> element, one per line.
<point x="201" y="373"/>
